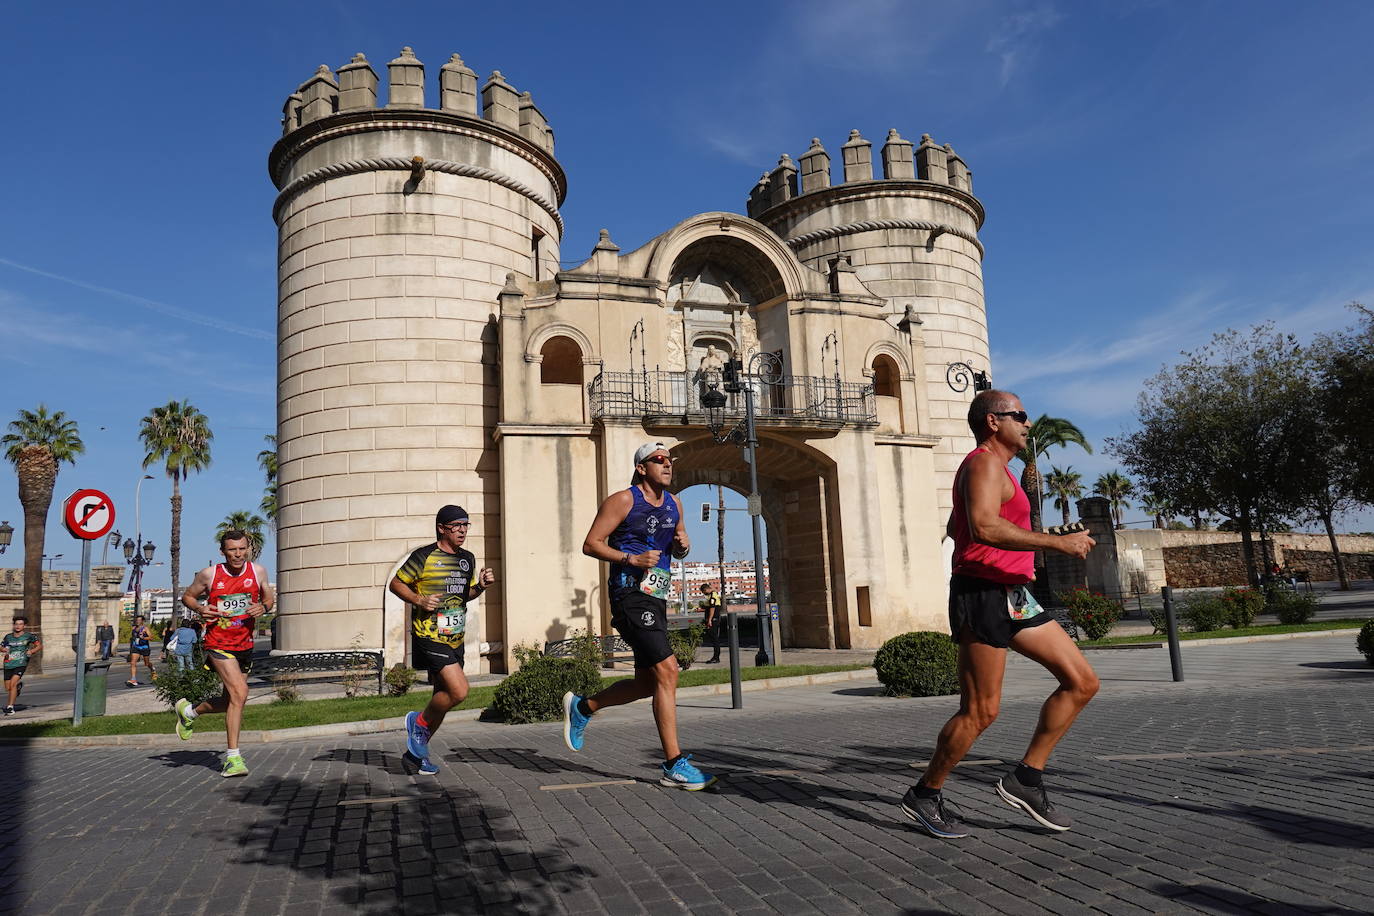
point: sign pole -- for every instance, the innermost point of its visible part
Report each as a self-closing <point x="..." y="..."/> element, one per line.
<point x="81" y="632"/>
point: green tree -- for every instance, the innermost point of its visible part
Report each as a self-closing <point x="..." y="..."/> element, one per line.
<point x="1345" y="366"/>
<point x="1045" y="433"/>
<point x="1160" y="508"/>
<point x="1118" y="489"/>
<point x="37" y="443"/>
<point x="178" y="437"/>
<point x="1065" y="486"/>
<point x="1226" y="431"/>
<point x="267" y="460"/>
<point x="250" y="524"/>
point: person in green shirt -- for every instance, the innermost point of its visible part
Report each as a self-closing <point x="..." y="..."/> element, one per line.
<point x="17" y="647"/>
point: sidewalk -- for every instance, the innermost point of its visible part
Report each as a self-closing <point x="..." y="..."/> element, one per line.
<point x="1243" y="789"/>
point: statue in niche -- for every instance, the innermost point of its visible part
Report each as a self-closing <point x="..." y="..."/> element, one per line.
<point x="710" y="369"/>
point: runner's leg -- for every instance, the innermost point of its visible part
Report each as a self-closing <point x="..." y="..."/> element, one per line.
<point x="1051" y="646"/>
<point x="626" y="691"/>
<point x="981" y="668"/>
<point x="450" y="689"/>
<point x="12" y="688"/>
<point x="230" y="702"/>
<point x="665" y="705"/>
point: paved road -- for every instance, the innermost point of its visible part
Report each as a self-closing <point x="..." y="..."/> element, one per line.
<point x="1244" y="789"/>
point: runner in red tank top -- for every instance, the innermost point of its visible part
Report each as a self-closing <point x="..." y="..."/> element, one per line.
<point x="991" y="610"/>
<point x="229" y="597"/>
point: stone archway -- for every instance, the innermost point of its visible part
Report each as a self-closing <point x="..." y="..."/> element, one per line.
<point x="804" y="554"/>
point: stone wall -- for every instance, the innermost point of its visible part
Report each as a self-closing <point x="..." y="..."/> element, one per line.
<point x="61" y="599"/>
<point x="1196" y="559"/>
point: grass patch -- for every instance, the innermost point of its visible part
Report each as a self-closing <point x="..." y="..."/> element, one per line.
<point x="357" y="709"/>
<point x="1344" y="623"/>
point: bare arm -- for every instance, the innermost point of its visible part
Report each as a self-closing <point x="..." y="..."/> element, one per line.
<point x="986" y="488"/>
<point x="608" y="517"/>
<point x="196" y="592"/>
<point x="411" y="596"/>
<point x="682" y="545"/>
<point x="269" y="597"/>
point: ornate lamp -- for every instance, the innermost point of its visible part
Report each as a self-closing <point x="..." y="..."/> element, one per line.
<point x="148" y="549"/>
<point x="6" y="535"/>
<point x="128" y="549"/>
<point x="714" y="401"/>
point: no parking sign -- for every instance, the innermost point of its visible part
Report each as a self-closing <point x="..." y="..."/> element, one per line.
<point x="88" y="514"/>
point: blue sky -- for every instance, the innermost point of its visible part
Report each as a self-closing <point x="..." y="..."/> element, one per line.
<point x="1153" y="172"/>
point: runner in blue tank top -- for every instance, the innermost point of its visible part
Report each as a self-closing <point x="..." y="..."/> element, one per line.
<point x="637" y="531"/>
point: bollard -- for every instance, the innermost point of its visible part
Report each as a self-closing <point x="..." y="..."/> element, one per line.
<point x="736" y="691"/>
<point x="1171" y="626"/>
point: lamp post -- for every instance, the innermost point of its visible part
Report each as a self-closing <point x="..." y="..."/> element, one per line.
<point x="51" y="558"/>
<point x="138" y="555"/>
<point x="112" y="540"/>
<point x="746" y="435"/>
<point x="6" y="535"/>
<point x="958" y="376"/>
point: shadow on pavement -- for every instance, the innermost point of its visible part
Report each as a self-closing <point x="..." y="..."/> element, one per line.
<point x="386" y="761"/>
<point x="443" y="851"/>
<point x="210" y="760"/>
<point x="1217" y="899"/>
<point x="524" y="758"/>
<point x="1353" y="666"/>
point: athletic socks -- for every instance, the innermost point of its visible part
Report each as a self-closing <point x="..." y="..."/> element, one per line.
<point x="672" y="763"/>
<point x="232" y="752"/>
<point x="583" y="708"/>
<point x="420" y="721"/>
<point x="924" y="791"/>
<point x="191" y="715"/>
<point x="1029" y="776"/>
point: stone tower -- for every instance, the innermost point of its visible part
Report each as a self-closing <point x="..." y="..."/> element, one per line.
<point x="912" y="237"/>
<point x="398" y="224"/>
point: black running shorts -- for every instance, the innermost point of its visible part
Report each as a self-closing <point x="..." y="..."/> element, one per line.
<point x="434" y="656"/>
<point x="980" y="606"/>
<point x="642" y="621"/>
<point x="243" y="656"/>
<point x="17" y="671"/>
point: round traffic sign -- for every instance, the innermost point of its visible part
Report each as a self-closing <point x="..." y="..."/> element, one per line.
<point x="88" y="514"/>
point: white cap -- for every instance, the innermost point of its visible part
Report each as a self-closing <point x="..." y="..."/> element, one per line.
<point x="647" y="449"/>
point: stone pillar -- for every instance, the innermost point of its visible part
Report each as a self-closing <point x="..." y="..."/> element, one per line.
<point x="782" y="182"/>
<point x="291" y="112"/>
<point x="958" y="172"/>
<point x="500" y="102"/>
<point x="858" y="158"/>
<point x="320" y="94"/>
<point x="1102" y="569"/>
<point x="815" y="168"/>
<point x="931" y="161"/>
<point x="357" y="84"/>
<point x="406" y="79"/>
<point x="458" y="87"/>
<point x="897" y="160"/>
<point x="533" y="127"/>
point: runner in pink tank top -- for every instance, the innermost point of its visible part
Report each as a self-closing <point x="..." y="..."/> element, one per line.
<point x="991" y="610"/>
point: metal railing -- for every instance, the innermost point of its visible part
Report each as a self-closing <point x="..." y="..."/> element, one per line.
<point x="798" y="398"/>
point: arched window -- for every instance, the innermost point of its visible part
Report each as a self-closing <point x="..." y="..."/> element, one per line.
<point x="561" y="362"/>
<point x="885" y="377"/>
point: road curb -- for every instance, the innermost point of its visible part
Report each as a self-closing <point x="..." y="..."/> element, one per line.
<point x="372" y="726"/>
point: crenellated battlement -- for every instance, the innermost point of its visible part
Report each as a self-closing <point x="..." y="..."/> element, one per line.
<point x="354" y="88"/>
<point x="901" y="160"/>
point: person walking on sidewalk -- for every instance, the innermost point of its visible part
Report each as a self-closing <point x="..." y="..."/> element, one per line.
<point x="184" y="642"/>
<point x="17" y="646"/>
<point x="104" y="637"/>
<point x="140" y="649"/>
<point x="229" y="596"/>
<point x="710" y="605"/>
<point x="437" y="581"/>
<point x="991" y="610"/>
<point x="633" y="531"/>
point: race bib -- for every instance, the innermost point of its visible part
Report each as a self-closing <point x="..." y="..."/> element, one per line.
<point x="452" y="621"/>
<point x="232" y="606"/>
<point x="1021" y="604"/>
<point x="656" y="581"/>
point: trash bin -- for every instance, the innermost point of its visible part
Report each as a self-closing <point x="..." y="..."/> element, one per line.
<point x="93" y="689"/>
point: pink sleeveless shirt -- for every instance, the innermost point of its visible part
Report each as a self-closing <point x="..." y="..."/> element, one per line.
<point x="1009" y="567"/>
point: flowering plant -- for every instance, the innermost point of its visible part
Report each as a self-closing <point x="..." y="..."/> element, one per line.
<point x="1093" y="613"/>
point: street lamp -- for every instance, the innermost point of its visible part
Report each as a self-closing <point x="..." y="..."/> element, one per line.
<point x="745" y="435"/>
<point x="6" y="535"/>
<point x="138" y="555"/>
<point x="959" y="375"/>
<point x="51" y="557"/>
<point x="111" y="541"/>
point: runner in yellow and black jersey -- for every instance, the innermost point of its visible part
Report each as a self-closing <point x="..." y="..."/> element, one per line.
<point x="438" y="581"/>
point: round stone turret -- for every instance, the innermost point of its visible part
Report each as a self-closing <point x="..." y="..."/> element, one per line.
<point x="398" y="225"/>
<point x="912" y="237"/>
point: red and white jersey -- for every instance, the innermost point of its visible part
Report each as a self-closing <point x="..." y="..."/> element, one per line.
<point x="231" y="595"/>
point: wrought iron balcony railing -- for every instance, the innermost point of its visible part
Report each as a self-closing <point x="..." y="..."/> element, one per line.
<point x="784" y="399"/>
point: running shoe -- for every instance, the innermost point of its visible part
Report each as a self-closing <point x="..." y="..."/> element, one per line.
<point x="417" y="737"/>
<point x="683" y="775"/>
<point x="234" y="766"/>
<point x="184" y="725"/>
<point x="426" y="767"/>
<point x="574" y="723"/>
<point x="1032" y="800"/>
<point x="936" y="816"/>
<point x="9" y="710"/>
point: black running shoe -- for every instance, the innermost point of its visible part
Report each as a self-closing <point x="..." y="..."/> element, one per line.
<point x="935" y="816"/>
<point x="1032" y="800"/>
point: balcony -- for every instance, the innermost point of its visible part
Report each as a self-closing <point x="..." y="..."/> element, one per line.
<point x="779" y="400"/>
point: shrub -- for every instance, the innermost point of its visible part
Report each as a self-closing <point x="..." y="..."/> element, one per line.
<point x="1242" y="606"/>
<point x="1365" y="641"/>
<point x="287" y="688"/>
<point x="400" y="677"/>
<point x="535" y="692"/>
<point x="685" y="643"/>
<point x="1205" y="612"/>
<point x="1159" y="622"/>
<point x="1292" y="607"/>
<point x="195" y="683"/>
<point x="922" y="664"/>
<point x="1092" y="613"/>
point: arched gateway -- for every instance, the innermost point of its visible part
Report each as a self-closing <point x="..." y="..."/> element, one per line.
<point x="432" y="352"/>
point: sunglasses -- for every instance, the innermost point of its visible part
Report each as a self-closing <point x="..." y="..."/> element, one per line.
<point x="456" y="526"/>
<point x="1020" y="416"/>
<point x="659" y="459"/>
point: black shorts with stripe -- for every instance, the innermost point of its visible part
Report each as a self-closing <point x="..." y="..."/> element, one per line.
<point x="243" y="656"/>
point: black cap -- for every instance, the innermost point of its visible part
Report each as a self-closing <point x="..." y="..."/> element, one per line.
<point x="450" y="514"/>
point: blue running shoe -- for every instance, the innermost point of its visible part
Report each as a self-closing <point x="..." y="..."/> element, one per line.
<point x="574" y="723"/>
<point x="682" y="775"/>
<point x="427" y="767"/>
<point x="417" y="737"/>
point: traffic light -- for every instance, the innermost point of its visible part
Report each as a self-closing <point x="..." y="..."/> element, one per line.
<point x="705" y="512"/>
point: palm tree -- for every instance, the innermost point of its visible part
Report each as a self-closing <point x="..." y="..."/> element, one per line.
<point x="1116" y="487"/>
<point x="177" y="436"/>
<point x="1045" y="432"/>
<point x="267" y="460"/>
<point x="37" y="444"/>
<point x="1064" y="486"/>
<point x="1159" y="507"/>
<point x="249" y="524"/>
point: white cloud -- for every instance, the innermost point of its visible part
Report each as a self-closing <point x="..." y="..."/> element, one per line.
<point x="1016" y="41"/>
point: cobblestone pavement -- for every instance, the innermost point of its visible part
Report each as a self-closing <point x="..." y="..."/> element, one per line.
<point x="1244" y="789"/>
